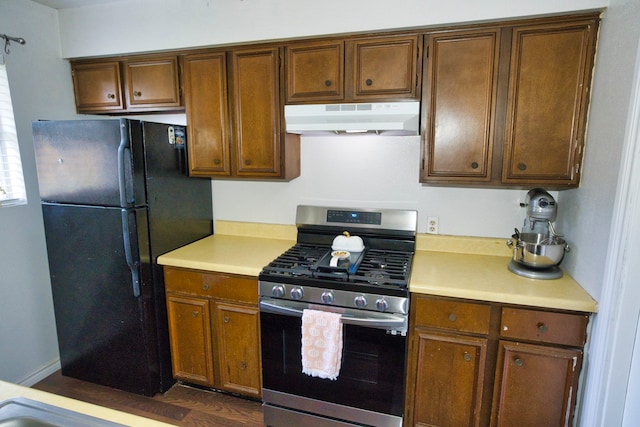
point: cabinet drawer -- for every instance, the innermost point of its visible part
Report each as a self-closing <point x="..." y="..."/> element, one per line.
<point x="452" y="315"/>
<point x="544" y="326"/>
<point x="213" y="285"/>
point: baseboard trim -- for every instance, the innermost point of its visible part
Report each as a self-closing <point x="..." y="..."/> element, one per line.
<point x="41" y="373"/>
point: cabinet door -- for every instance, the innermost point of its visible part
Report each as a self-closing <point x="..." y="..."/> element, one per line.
<point x="238" y="341"/>
<point x="256" y="112"/>
<point x="449" y="379"/>
<point x="97" y="87"/>
<point x="190" y="339"/>
<point x="459" y="104"/>
<point x="315" y="71"/>
<point x="384" y="68"/>
<point x="547" y="103"/>
<point x="152" y="84"/>
<point x="535" y="385"/>
<point x="205" y="82"/>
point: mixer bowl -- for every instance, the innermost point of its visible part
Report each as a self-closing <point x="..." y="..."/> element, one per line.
<point x="538" y="250"/>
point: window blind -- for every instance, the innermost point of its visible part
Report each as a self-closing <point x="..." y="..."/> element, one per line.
<point x="12" y="190"/>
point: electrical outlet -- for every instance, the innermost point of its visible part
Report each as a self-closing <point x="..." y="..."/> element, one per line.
<point x="432" y="225"/>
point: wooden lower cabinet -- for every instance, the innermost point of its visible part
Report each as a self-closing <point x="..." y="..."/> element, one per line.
<point x="536" y="385"/>
<point x="214" y="330"/>
<point x="190" y="335"/>
<point x="480" y="364"/>
<point x="238" y="355"/>
<point x="454" y="366"/>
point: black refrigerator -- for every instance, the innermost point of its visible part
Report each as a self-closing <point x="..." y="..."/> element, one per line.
<point x="115" y="195"/>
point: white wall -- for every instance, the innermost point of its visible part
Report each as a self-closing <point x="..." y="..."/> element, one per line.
<point x="374" y="172"/>
<point x="370" y="171"/>
<point x="106" y="30"/>
<point x="40" y="87"/>
<point x="333" y="170"/>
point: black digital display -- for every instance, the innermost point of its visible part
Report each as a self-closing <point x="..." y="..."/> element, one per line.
<point x="354" y="217"/>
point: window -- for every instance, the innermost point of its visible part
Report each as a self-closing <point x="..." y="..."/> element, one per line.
<point x="12" y="191"/>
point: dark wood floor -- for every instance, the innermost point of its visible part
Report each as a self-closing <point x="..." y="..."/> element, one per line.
<point x="181" y="405"/>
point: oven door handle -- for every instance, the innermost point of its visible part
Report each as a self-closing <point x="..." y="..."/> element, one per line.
<point x="367" y="319"/>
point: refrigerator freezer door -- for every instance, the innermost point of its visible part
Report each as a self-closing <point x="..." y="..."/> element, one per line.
<point x="90" y="162"/>
<point x="103" y="330"/>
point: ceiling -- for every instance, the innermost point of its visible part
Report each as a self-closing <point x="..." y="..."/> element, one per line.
<point x="66" y="4"/>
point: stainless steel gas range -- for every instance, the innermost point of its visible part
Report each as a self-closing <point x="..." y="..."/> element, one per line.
<point x="366" y="283"/>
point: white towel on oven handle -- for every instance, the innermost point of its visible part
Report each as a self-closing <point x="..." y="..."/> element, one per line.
<point x="321" y="343"/>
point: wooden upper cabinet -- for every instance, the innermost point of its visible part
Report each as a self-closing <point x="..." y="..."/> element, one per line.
<point x="205" y="85"/>
<point x="255" y="92"/>
<point x="354" y="70"/>
<point x="547" y="103"/>
<point x="261" y="149"/>
<point x="315" y="71"/>
<point x="97" y="86"/>
<point x="122" y="85"/>
<point x="152" y="83"/>
<point x="459" y="103"/>
<point x="384" y="68"/>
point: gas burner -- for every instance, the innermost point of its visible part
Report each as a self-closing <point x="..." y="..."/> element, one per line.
<point x="377" y="277"/>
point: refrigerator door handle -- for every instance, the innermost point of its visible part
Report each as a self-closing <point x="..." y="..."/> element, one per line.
<point x="123" y="149"/>
<point x="133" y="266"/>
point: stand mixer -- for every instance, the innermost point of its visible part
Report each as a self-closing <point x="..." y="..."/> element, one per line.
<point x="538" y="249"/>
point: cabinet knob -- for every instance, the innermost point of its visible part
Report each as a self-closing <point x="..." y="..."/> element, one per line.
<point x="542" y="327"/>
<point x="205" y="286"/>
<point x="216" y="161"/>
<point x="195" y="313"/>
<point x="226" y="319"/>
<point x="328" y="83"/>
<point x="453" y="317"/>
<point x="522" y="166"/>
<point x="467" y="357"/>
<point x="243" y="365"/>
<point x="474" y="165"/>
<point x="111" y="96"/>
<point x="518" y="361"/>
<point x="369" y="82"/>
<point x="247" y="162"/>
<point x="137" y="93"/>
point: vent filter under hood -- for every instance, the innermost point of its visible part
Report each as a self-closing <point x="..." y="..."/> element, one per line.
<point x="386" y="118"/>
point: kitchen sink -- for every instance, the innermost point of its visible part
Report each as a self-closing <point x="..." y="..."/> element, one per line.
<point x="23" y="412"/>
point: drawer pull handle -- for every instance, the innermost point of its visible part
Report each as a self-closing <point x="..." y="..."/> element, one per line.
<point x="195" y="313"/>
<point x="467" y="357"/>
<point x="542" y="327"/>
<point x="518" y="361"/>
<point x="453" y="317"/>
<point x="137" y="93"/>
<point x="205" y="286"/>
<point x="111" y="96"/>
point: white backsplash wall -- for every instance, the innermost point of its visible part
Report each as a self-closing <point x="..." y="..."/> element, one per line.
<point x="370" y="171"/>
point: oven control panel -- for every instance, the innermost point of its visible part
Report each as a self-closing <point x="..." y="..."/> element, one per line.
<point x="354" y="217"/>
<point x="334" y="297"/>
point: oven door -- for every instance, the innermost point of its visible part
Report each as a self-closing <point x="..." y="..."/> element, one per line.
<point x="369" y="389"/>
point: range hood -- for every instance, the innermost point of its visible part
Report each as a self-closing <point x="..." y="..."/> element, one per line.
<point x="386" y="118"/>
